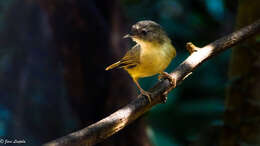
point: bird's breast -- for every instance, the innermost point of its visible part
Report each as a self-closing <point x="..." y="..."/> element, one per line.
<point x="153" y="60"/>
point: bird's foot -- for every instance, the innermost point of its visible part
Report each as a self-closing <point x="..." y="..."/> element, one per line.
<point x="147" y="94"/>
<point x="165" y="75"/>
<point x="191" y="47"/>
<point x="172" y="80"/>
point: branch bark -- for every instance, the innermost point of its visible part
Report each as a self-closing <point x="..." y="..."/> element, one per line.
<point x="108" y="126"/>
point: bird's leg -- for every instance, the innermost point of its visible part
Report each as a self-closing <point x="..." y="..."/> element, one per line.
<point x="146" y="93"/>
<point x="191" y="47"/>
<point x="172" y="80"/>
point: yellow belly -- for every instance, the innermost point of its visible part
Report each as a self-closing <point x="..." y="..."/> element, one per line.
<point x="148" y="68"/>
<point x="153" y="61"/>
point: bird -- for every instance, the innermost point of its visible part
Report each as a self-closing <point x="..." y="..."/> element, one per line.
<point x="151" y="54"/>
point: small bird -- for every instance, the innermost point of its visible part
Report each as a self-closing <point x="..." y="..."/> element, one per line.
<point x="151" y="55"/>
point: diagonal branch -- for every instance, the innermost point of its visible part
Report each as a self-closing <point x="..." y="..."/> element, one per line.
<point x="108" y="126"/>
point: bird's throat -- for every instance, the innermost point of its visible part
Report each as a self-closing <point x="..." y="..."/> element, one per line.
<point x="147" y="45"/>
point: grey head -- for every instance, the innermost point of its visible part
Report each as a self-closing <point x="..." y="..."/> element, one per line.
<point x="148" y="31"/>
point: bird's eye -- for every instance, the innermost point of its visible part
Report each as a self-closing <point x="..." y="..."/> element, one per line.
<point x="144" y="32"/>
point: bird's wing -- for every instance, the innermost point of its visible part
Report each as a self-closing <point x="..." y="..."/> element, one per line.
<point x="131" y="58"/>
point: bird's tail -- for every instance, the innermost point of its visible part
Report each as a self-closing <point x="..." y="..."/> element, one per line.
<point x="114" y="65"/>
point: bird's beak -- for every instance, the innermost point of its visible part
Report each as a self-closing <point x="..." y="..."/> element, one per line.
<point x="127" y="36"/>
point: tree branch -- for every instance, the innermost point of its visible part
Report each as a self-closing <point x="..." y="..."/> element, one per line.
<point x="108" y="126"/>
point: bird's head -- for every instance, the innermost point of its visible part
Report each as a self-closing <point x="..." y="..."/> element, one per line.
<point x="147" y="31"/>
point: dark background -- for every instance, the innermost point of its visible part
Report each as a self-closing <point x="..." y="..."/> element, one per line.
<point x="54" y="52"/>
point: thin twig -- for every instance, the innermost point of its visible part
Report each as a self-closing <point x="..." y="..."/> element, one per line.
<point x="108" y="126"/>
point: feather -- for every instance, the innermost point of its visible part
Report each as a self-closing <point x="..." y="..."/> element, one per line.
<point x="130" y="60"/>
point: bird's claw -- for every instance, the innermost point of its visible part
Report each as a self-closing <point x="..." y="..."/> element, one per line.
<point x="165" y="75"/>
<point x="172" y="80"/>
<point x="147" y="94"/>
